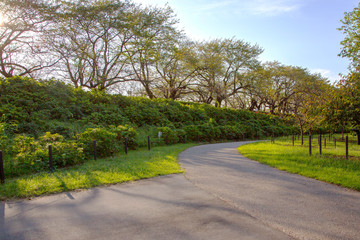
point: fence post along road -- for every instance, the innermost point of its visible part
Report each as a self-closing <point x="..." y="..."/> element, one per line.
<point x="2" y="175"/>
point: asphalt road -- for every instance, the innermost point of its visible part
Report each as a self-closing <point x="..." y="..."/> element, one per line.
<point x="301" y="207"/>
<point x="221" y="196"/>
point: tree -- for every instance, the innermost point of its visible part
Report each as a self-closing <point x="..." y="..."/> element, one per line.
<point x="90" y="38"/>
<point x="336" y="112"/>
<point x="222" y="68"/>
<point x="175" y="67"/>
<point x="289" y="90"/>
<point x="274" y="85"/>
<point x="347" y="99"/>
<point x="154" y="31"/>
<point x="22" y="49"/>
<point x="351" y="43"/>
<point x="308" y="103"/>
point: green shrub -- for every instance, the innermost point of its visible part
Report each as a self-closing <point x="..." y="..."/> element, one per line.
<point x="181" y="135"/>
<point x="30" y="156"/>
<point x="42" y="106"/>
<point x="106" y="115"/>
<point x="6" y="134"/>
<point x="67" y="129"/>
<point x="64" y="153"/>
<point x="49" y="138"/>
<point x="192" y="132"/>
<point x="209" y="132"/>
<point x="228" y="132"/>
<point x="127" y="132"/>
<point x="26" y="161"/>
<point x="67" y="153"/>
<point x="144" y="112"/>
<point x="239" y="131"/>
<point x="169" y="134"/>
<point x="143" y="133"/>
<point x="106" y="142"/>
<point x="24" y="144"/>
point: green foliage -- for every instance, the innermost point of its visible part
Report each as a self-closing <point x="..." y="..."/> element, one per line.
<point x="192" y="132"/>
<point x="35" y="114"/>
<point x="136" y="165"/>
<point x="350" y="44"/>
<point x="24" y="144"/>
<point x="31" y="156"/>
<point x="6" y="132"/>
<point x="106" y="142"/>
<point x="145" y="114"/>
<point x="350" y="98"/>
<point x="232" y="132"/>
<point x="144" y="132"/>
<point x="169" y="134"/>
<point x="343" y="108"/>
<point x="223" y="65"/>
<point x="181" y="135"/>
<point x="56" y="107"/>
<point x="67" y="153"/>
<point x="209" y="132"/>
<point x="127" y="132"/>
<point x="49" y="138"/>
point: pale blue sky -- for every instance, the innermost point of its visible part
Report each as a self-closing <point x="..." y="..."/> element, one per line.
<point x="294" y="32"/>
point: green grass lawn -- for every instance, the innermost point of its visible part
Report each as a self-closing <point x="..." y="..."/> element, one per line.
<point x="136" y="165"/>
<point x="331" y="166"/>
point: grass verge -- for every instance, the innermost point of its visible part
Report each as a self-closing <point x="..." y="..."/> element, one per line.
<point x="136" y="165"/>
<point x="328" y="167"/>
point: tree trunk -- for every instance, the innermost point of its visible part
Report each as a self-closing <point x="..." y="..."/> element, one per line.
<point x="218" y="102"/>
<point x="148" y="91"/>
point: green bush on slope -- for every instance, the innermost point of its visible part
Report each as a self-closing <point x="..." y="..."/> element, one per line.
<point x="34" y="114"/>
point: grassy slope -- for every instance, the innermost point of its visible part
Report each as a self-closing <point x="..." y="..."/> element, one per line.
<point x="331" y="167"/>
<point x="136" y="165"/>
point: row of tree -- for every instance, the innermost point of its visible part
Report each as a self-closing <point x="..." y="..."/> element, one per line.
<point x="121" y="47"/>
<point x="97" y="44"/>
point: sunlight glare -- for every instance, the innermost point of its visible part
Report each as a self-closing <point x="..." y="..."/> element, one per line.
<point x="1" y="19"/>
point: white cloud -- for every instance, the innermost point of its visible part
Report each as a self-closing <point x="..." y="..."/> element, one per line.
<point x="215" y="5"/>
<point x="249" y="7"/>
<point x="152" y="2"/>
<point x="272" y="7"/>
<point x="252" y="7"/>
<point x="333" y="77"/>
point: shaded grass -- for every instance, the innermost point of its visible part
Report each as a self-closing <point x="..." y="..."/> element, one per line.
<point x="136" y="165"/>
<point x="330" y="167"/>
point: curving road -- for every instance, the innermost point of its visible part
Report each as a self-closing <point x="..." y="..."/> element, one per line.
<point x="221" y="196"/>
<point x="300" y="207"/>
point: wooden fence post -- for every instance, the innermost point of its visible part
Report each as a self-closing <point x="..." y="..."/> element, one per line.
<point x="2" y="175"/>
<point x="309" y="144"/>
<point x="51" y="159"/>
<point x="126" y="146"/>
<point x="94" y="147"/>
<point x="347" y="147"/>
